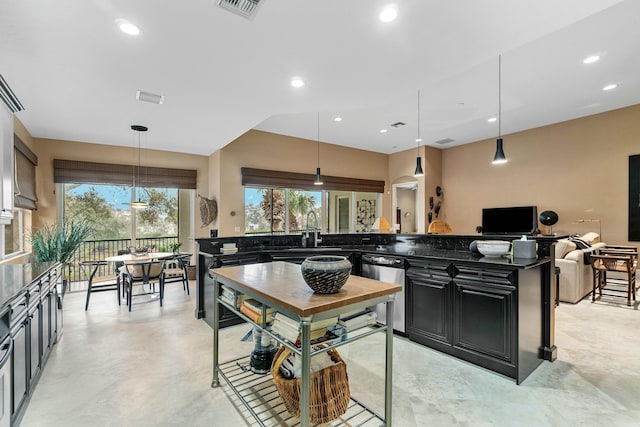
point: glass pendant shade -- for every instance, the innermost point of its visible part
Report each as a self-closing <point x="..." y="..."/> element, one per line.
<point x="418" y="171"/>
<point x="139" y="203"/>
<point x="318" y="180"/>
<point x="499" y="157"/>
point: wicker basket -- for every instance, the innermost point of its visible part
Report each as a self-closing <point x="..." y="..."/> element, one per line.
<point x="329" y="396"/>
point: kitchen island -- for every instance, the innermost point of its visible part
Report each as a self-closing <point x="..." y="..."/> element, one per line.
<point x="497" y="313"/>
<point x="279" y="285"/>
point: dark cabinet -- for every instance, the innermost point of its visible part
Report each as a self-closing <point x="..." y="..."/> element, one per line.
<point x="33" y="326"/>
<point x="428" y="303"/>
<point x="35" y="351"/>
<point x="19" y="363"/>
<point x="484" y="307"/>
<point x="489" y="316"/>
<point x="48" y="320"/>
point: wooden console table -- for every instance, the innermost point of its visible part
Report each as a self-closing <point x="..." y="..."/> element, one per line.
<point x="280" y="285"/>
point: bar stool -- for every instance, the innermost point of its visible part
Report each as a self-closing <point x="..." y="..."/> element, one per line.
<point x="615" y="260"/>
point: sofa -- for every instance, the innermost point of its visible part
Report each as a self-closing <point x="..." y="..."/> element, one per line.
<point x="576" y="277"/>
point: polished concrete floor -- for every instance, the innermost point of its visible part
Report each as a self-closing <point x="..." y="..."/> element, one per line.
<point x="152" y="367"/>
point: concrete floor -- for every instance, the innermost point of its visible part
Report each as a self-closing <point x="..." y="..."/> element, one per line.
<point x="152" y="367"/>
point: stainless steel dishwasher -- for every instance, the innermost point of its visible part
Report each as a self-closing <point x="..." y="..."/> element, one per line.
<point x="388" y="269"/>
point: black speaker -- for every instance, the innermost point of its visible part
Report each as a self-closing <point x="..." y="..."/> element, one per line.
<point x="549" y="218"/>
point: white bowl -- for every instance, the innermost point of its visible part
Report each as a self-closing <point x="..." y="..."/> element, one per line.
<point x="494" y="248"/>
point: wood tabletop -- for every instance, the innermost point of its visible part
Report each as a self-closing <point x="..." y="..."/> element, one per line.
<point x="144" y="257"/>
<point x="281" y="284"/>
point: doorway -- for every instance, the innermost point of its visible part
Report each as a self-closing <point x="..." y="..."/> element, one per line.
<point x="405" y="201"/>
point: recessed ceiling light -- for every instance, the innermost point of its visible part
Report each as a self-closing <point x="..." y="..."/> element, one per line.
<point x="383" y="131"/>
<point x="337" y="119"/>
<point x="128" y="27"/>
<point x="609" y="87"/>
<point x="492" y="119"/>
<point x="418" y="139"/>
<point x="297" y="82"/>
<point x="389" y="13"/>
<point x="591" y="59"/>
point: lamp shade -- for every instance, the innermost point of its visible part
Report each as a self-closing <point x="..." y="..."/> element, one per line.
<point x="418" y="171"/>
<point x="381" y="224"/>
<point x="499" y="157"/>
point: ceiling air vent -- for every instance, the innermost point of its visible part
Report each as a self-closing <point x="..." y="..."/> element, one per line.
<point x="246" y="8"/>
<point x="398" y="124"/>
<point x="445" y="141"/>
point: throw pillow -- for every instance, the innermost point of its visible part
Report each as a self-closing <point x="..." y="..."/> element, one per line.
<point x="580" y="243"/>
<point x="563" y="247"/>
<point x="590" y="237"/>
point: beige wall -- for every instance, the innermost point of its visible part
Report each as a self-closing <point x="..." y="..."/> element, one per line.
<point x="578" y="168"/>
<point x="49" y="149"/>
<point x="401" y="168"/>
<point x="263" y="150"/>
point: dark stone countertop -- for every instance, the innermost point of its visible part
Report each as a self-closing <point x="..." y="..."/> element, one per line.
<point x="416" y="251"/>
<point x="15" y="278"/>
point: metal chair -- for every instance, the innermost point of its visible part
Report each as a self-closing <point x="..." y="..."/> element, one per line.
<point x="175" y="270"/>
<point x="143" y="273"/>
<point x="98" y="281"/>
<point x="622" y="260"/>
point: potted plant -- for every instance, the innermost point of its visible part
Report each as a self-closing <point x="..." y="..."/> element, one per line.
<point x="58" y="242"/>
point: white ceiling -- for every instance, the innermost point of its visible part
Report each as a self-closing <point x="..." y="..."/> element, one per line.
<point x="222" y="74"/>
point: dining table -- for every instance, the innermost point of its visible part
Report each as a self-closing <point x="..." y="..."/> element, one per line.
<point x="139" y="257"/>
<point x="146" y="256"/>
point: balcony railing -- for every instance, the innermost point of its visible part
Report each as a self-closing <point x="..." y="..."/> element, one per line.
<point x="95" y="250"/>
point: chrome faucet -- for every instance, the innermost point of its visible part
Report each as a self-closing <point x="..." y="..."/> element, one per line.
<point x="316" y="231"/>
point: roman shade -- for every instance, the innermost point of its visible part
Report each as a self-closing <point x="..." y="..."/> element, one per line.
<point x="75" y="171"/>
<point x="24" y="192"/>
<point x="304" y="181"/>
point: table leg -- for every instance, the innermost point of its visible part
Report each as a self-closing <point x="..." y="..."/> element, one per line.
<point x="305" y="387"/>
<point x="388" y="363"/>
<point x="215" y="382"/>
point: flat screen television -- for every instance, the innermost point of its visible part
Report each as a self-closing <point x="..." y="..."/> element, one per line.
<point x="510" y="220"/>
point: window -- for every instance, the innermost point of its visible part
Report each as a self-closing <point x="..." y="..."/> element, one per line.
<point x="272" y="210"/>
<point x="13" y="234"/>
<point x="108" y="208"/>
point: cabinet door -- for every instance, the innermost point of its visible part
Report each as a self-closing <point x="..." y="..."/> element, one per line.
<point x="19" y="361"/>
<point x="5" y="383"/>
<point x="484" y="318"/>
<point x="6" y="162"/>
<point x="35" y="352"/>
<point x="46" y="324"/>
<point x="428" y="306"/>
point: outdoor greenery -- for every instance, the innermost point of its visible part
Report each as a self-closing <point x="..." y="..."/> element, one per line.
<point x="58" y="242"/>
<point x="109" y="221"/>
<point x="265" y="218"/>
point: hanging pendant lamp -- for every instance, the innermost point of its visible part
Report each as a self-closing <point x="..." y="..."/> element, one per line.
<point x="138" y="203"/>
<point x="318" y="180"/>
<point x="418" y="171"/>
<point x="499" y="157"/>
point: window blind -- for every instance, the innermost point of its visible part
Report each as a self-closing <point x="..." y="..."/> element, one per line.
<point x="303" y="181"/>
<point x="24" y="194"/>
<point x="75" y="171"/>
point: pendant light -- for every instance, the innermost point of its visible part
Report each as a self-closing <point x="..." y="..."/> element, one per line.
<point x="139" y="203"/>
<point x="318" y="180"/>
<point x="418" y="171"/>
<point x="499" y="157"/>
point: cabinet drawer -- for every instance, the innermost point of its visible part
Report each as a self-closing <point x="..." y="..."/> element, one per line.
<point x="429" y="268"/>
<point x="494" y="276"/>
<point x="18" y="309"/>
